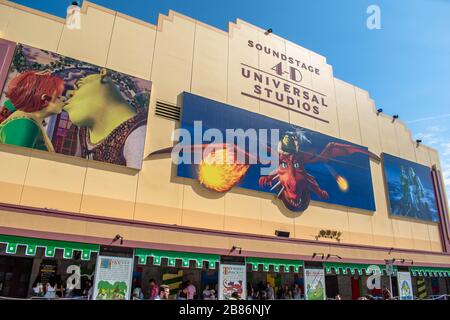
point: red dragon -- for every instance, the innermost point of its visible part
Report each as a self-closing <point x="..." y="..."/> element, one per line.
<point x="292" y="182"/>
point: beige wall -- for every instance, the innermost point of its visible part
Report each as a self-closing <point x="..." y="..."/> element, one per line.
<point x="181" y="54"/>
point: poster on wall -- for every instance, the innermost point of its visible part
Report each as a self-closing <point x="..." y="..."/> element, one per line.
<point x="58" y="104"/>
<point x="405" y="291"/>
<point x="410" y="189"/>
<point x="112" y="280"/>
<point x="301" y="165"/>
<point x="314" y="284"/>
<point x="232" y="278"/>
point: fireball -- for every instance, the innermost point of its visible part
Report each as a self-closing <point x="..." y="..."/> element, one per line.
<point x="215" y="173"/>
<point x="342" y="183"/>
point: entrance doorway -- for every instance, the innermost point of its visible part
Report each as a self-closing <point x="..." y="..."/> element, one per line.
<point x="15" y="276"/>
<point x="332" y="286"/>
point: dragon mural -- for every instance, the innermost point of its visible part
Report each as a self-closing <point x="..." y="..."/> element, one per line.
<point x="220" y="171"/>
<point x="292" y="181"/>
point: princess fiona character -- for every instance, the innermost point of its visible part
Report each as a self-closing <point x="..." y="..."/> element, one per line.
<point x="31" y="97"/>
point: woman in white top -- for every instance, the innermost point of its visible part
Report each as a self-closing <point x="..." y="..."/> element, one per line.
<point x="50" y="292"/>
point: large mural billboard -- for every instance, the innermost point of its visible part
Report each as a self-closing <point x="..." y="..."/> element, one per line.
<point x="410" y="189"/>
<point x="303" y="165"/>
<point x="59" y="104"/>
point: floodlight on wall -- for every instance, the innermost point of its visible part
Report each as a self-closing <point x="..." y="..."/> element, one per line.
<point x="418" y="142"/>
<point x="234" y="248"/>
<point x="117" y="238"/>
<point x="73" y="16"/>
<point x="315" y="254"/>
<point x="333" y="255"/>
<point x="269" y="31"/>
<point x="379" y="111"/>
<point x="407" y="260"/>
<point x="395" y="117"/>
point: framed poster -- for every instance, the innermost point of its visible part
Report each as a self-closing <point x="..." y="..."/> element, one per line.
<point x="336" y="171"/>
<point x="62" y="105"/>
<point x="314" y="284"/>
<point x="232" y="278"/>
<point x="410" y="189"/>
<point x="112" y="280"/>
<point x="405" y="291"/>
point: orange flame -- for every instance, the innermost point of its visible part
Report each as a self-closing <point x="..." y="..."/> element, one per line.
<point x="342" y="183"/>
<point x="215" y="173"/>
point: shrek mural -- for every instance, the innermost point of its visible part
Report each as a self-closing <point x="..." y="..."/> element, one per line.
<point x="63" y="105"/>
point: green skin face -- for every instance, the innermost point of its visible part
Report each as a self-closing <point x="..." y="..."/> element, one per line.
<point x="97" y="106"/>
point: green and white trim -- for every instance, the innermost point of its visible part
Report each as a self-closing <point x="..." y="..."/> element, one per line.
<point x="172" y="257"/>
<point x="50" y="247"/>
<point x="430" y="271"/>
<point x="276" y="263"/>
<point x="345" y="268"/>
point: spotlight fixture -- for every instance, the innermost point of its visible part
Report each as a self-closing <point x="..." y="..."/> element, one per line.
<point x="117" y="238"/>
<point x="379" y="111"/>
<point x="395" y="117"/>
<point x="418" y="142"/>
<point x="73" y="17"/>
<point x="234" y="248"/>
<point x="333" y="255"/>
<point x="282" y="234"/>
<point x="409" y="260"/>
<point x="269" y="31"/>
<point x="315" y="254"/>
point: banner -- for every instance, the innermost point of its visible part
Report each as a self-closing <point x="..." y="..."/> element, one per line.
<point x="59" y="104"/>
<point x="314" y="284"/>
<point x="113" y="278"/>
<point x="303" y="165"/>
<point x="232" y="278"/>
<point x="405" y="291"/>
<point x="410" y="189"/>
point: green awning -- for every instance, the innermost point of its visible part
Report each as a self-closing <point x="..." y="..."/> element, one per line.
<point x="276" y="263"/>
<point x="50" y="246"/>
<point x="343" y="268"/>
<point x="173" y="256"/>
<point x="430" y="271"/>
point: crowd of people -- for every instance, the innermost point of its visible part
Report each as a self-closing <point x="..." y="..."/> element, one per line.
<point x="268" y="292"/>
<point x="186" y="291"/>
<point x="54" y="288"/>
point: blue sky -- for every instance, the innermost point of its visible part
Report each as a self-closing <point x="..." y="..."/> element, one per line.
<point x="405" y="66"/>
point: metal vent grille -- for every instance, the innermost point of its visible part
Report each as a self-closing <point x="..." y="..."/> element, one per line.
<point x="167" y="111"/>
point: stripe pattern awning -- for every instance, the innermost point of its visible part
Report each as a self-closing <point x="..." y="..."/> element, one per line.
<point x="351" y="268"/>
<point x="430" y="271"/>
<point x="276" y="263"/>
<point x="50" y="246"/>
<point x="172" y="257"/>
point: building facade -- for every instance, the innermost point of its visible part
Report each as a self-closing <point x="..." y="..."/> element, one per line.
<point x="51" y="201"/>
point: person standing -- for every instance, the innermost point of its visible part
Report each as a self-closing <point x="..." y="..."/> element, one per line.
<point x="50" y="292"/>
<point x="207" y="293"/>
<point x="270" y="294"/>
<point x="137" y="290"/>
<point x="191" y="290"/>
<point x="182" y="293"/>
<point x="153" y="289"/>
<point x="163" y="293"/>
<point x="38" y="288"/>
<point x="297" y="292"/>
